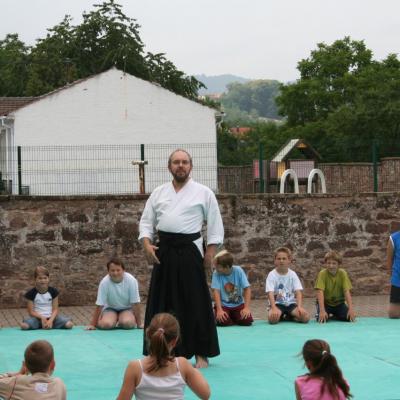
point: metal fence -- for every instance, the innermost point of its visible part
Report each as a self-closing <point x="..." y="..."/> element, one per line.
<point x="100" y="169"/>
<point x="104" y="169"/>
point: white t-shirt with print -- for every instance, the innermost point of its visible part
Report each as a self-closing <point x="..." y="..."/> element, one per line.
<point x="119" y="295"/>
<point x="283" y="286"/>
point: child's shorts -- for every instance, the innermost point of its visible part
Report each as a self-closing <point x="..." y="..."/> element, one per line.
<point x="58" y="323"/>
<point x="286" y="310"/>
<point x="338" y="312"/>
<point x="395" y="294"/>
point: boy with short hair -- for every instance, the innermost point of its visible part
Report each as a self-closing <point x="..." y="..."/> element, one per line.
<point x="43" y="305"/>
<point x="333" y="291"/>
<point x="284" y="290"/>
<point x="118" y="300"/>
<point x="393" y="266"/>
<point x="34" y="381"/>
<point x="231" y="290"/>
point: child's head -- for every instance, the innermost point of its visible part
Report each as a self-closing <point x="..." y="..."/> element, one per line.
<point x="161" y="337"/>
<point x="116" y="269"/>
<point x="39" y="357"/>
<point x="282" y="258"/>
<point x="322" y="363"/>
<point x="332" y="261"/>
<point x="42" y="278"/>
<point x="223" y="262"/>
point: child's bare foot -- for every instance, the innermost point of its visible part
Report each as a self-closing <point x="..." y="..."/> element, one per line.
<point x="24" y="326"/>
<point x="201" y="362"/>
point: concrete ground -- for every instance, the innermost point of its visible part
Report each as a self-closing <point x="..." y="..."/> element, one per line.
<point x="365" y="306"/>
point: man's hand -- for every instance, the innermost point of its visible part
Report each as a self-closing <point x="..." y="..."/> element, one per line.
<point x="221" y="316"/>
<point x="245" y="312"/>
<point x="150" y="254"/>
<point x="323" y="316"/>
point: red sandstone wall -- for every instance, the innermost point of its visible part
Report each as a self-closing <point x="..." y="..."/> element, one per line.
<point x="75" y="236"/>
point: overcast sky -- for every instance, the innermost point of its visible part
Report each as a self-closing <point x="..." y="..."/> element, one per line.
<point x="253" y="38"/>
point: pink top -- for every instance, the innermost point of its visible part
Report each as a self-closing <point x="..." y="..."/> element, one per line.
<point x="310" y="389"/>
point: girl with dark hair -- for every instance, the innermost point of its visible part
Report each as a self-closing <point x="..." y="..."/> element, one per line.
<point x="161" y="375"/>
<point x="325" y="380"/>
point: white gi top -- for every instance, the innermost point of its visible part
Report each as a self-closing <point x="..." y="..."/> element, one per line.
<point x="119" y="296"/>
<point x="182" y="212"/>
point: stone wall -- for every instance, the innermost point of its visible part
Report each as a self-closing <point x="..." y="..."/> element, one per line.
<point x="74" y="237"/>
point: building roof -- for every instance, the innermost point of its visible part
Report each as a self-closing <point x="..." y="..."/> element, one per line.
<point x="283" y="153"/>
<point x="9" y="104"/>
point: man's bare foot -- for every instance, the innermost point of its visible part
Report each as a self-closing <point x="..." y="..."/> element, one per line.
<point x="201" y="362"/>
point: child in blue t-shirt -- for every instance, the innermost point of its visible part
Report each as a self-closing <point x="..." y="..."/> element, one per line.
<point x="393" y="265"/>
<point x="231" y="290"/>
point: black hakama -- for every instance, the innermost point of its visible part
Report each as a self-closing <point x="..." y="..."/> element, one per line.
<point x="179" y="286"/>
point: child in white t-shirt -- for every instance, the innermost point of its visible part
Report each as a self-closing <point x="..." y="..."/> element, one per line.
<point x="284" y="290"/>
<point x="118" y="301"/>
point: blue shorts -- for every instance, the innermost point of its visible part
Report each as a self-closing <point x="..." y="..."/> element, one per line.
<point x="58" y="323"/>
<point x="110" y="309"/>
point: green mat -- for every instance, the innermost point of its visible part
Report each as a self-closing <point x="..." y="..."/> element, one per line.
<point x="258" y="362"/>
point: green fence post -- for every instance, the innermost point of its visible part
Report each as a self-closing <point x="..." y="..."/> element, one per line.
<point x="260" y="166"/>
<point x="19" y="170"/>
<point x="375" y="164"/>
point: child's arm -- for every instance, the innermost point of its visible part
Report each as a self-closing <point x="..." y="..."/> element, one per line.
<point x="95" y="318"/>
<point x="299" y="301"/>
<point x="389" y="255"/>
<point x="274" y="311"/>
<point x="194" y="379"/>
<point x="221" y="315"/>
<point x="54" y="313"/>
<point x="323" y="315"/>
<point x="131" y="380"/>
<point x="247" y="299"/>
<point x="351" y="315"/>
<point x="137" y="312"/>
<point x="297" y="391"/>
<point x="35" y="314"/>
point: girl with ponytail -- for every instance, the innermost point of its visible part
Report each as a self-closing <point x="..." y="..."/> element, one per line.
<point x="161" y="375"/>
<point x="325" y="380"/>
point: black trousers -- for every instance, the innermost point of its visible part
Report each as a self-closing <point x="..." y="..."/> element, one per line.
<point x="179" y="286"/>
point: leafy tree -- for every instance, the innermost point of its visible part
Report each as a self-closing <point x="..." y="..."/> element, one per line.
<point x="105" y="38"/>
<point x="14" y="59"/>
<point x="251" y="100"/>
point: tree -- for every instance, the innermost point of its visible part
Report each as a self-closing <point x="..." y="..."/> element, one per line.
<point x="344" y="101"/>
<point x="14" y="60"/>
<point x="105" y="38"/>
<point x="251" y="100"/>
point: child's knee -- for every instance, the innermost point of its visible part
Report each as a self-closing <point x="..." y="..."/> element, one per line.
<point x="105" y="325"/>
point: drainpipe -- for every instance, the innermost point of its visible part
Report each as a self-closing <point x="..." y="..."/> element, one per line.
<point x="7" y="122"/>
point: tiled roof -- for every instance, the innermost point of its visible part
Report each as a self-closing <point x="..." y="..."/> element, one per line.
<point x="9" y="104"/>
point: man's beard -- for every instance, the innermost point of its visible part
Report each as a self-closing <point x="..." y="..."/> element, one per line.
<point x="181" y="178"/>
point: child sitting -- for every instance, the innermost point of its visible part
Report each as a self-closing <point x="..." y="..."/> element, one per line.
<point x="39" y="363"/>
<point x="325" y="380"/>
<point x="284" y="290"/>
<point x="333" y="291"/>
<point x="118" y="300"/>
<point x="160" y="375"/>
<point x="43" y="305"/>
<point x="232" y="293"/>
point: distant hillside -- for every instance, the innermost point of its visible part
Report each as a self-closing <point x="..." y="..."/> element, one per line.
<point x="217" y="84"/>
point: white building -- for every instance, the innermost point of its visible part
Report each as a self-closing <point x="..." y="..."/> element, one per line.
<point x="81" y="139"/>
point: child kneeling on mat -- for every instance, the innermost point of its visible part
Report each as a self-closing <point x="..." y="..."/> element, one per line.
<point x="231" y="290"/>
